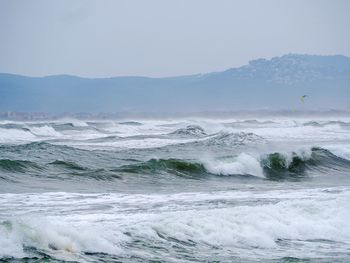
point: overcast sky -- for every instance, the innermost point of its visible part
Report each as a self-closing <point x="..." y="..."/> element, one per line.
<point x="163" y="38"/>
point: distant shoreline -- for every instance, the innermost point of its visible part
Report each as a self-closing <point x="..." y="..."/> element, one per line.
<point x="37" y="116"/>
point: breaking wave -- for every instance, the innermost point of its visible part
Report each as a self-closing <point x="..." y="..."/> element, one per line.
<point x="274" y="166"/>
<point x="49" y="159"/>
<point x="299" y="216"/>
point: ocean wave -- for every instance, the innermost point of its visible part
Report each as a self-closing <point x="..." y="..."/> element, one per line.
<point x="185" y="137"/>
<point x="74" y="170"/>
<point x="20" y="133"/>
<point x="104" y="139"/>
<point x="342" y="151"/>
<point x="132" y="123"/>
<point x="18" y="126"/>
<point x="64" y="171"/>
<point x="283" y="165"/>
<point x="18" y="166"/>
<point x="72" y="122"/>
<point x="172" y="166"/>
<point x="262" y="226"/>
<point x="16" y="135"/>
<point x="292" y="164"/>
<point x="249" y="123"/>
<point x="44" y="131"/>
<point x="227" y="138"/>
<point x="243" y="164"/>
<point x="221" y="220"/>
<point x="68" y="165"/>
<point x="190" y="130"/>
<point x="36" y="147"/>
<point x="70" y="130"/>
<point x="326" y="123"/>
<point x="273" y="166"/>
<point x="48" y="237"/>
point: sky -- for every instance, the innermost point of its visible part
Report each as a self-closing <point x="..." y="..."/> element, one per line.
<point x="157" y="38"/>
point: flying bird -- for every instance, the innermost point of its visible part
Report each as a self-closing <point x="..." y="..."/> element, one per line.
<point x="302" y="98"/>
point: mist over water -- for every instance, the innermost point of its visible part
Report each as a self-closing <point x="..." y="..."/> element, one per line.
<point x="272" y="189"/>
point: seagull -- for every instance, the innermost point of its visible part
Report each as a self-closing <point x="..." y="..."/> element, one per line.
<point x="302" y="98"/>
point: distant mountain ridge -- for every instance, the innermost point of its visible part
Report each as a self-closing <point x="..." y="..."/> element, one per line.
<point x="275" y="83"/>
<point x="294" y="68"/>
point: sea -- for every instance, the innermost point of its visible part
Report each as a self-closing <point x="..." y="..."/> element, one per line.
<point x="190" y="189"/>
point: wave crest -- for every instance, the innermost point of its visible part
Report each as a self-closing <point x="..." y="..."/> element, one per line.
<point x="273" y="166"/>
<point x="190" y="130"/>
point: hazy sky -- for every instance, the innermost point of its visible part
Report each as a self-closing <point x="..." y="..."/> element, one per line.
<point x="163" y="38"/>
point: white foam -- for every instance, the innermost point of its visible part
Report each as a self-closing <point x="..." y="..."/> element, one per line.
<point x="46" y="131"/>
<point x="262" y="226"/>
<point x="51" y="234"/>
<point x="75" y="122"/>
<point x="10" y="244"/>
<point x="16" y="135"/>
<point x="221" y="219"/>
<point x="243" y="164"/>
<point x="284" y="131"/>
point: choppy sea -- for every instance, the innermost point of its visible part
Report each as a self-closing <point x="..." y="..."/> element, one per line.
<point x="274" y="189"/>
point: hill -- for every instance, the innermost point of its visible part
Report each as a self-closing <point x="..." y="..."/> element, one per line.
<point x="271" y="84"/>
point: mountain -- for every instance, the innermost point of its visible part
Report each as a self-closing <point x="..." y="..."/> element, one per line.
<point x="276" y="83"/>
